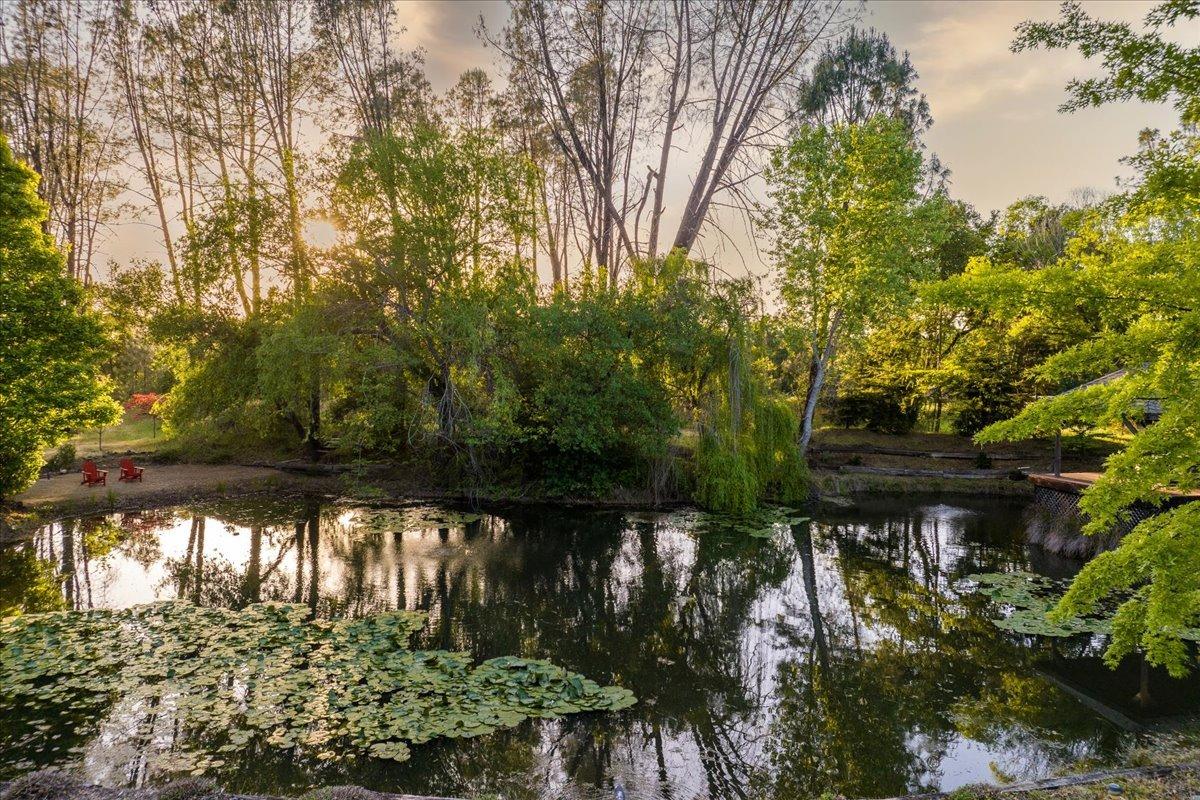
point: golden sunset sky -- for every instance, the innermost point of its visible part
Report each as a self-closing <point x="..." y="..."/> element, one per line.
<point x="996" y="119"/>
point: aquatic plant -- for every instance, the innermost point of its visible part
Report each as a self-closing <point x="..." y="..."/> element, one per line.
<point x="761" y="523"/>
<point x="414" y="518"/>
<point x="1029" y="599"/>
<point x="270" y="676"/>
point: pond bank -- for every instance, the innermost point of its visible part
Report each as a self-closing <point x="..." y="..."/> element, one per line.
<point x="55" y="786"/>
<point x="1140" y="783"/>
<point x="56" y="496"/>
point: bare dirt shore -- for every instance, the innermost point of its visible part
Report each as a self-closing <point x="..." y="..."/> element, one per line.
<point x="161" y="485"/>
<point x="168" y="479"/>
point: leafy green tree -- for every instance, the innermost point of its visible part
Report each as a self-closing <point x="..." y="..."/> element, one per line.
<point x="901" y="370"/>
<point x="1138" y="65"/>
<point x="861" y="76"/>
<point x="850" y="238"/>
<point x="129" y="302"/>
<point x="1138" y="263"/>
<point x="988" y="371"/>
<point x="51" y="345"/>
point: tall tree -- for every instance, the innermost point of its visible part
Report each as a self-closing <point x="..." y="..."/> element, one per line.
<point x="286" y="70"/>
<point x="53" y="94"/>
<point x="847" y="234"/>
<point x="51" y="345"/>
<point x="858" y="77"/>
<point x="1139" y="262"/>
<point x="614" y="83"/>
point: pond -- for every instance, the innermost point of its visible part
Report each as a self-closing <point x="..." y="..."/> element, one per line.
<point x="839" y="654"/>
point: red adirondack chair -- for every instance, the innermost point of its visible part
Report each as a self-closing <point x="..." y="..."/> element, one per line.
<point x="129" y="472"/>
<point x="93" y="476"/>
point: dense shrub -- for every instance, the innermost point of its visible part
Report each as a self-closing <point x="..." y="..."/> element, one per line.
<point x="875" y="412"/>
<point x="63" y="459"/>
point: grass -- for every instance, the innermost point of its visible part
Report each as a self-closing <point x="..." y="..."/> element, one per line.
<point x="138" y="435"/>
<point x="1155" y="750"/>
<point x="1182" y="784"/>
<point x="841" y="484"/>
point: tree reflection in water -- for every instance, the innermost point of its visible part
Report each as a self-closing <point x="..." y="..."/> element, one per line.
<point x="836" y="656"/>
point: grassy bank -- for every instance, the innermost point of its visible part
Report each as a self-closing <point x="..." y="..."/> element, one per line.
<point x="133" y="434"/>
<point x="831" y="483"/>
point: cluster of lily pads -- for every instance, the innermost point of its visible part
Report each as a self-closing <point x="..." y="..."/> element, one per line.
<point x="414" y="518"/>
<point x="271" y="676"/>
<point x="762" y="523"/>
<point x="1028" y="599"/>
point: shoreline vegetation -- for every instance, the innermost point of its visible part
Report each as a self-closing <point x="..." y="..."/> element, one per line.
<point x="845" y="464"/>
<point x="1135" y="783"/>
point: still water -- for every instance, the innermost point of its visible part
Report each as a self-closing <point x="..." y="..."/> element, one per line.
<point x="840" y="654"/>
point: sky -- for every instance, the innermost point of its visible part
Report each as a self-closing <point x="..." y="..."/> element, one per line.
<point x="996" y="119"/>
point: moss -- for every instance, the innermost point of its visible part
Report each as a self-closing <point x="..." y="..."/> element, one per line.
<point x="339" y="793"/>
<point x="189" y="789"/>
<point x="44" y="785"/>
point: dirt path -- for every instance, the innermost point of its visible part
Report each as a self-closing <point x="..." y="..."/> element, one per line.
<point x="161" y="485"/>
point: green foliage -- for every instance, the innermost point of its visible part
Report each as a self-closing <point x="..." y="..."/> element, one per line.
<point x="64" y="458"/>
<point x="1137" y="65"/>
<point x="860" y="76"/>
<point x="1136" y="264"/>
<point x="845" y="228"/>
<point x="129" y="301"/>
<point x="851" y="238"/>
<point x="51" y="345"/>
<point x="1037" y="606"/>
<point x="735" y="471"/>
<point x="725" y="480"/>
<point x="270" y="676"/>
<point x="216" y="405"/>
<point x="596" y="408"/>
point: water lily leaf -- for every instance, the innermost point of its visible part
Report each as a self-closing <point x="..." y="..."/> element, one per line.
<point x="270" y="676"/>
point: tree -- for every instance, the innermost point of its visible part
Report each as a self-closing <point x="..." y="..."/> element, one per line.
<point x="53" y="91"/>
<point x="51" y="346"/>
<point x="611" y="77"/>
<point x="848" y="236"/>
<point x="1138" y="262"/>
<point x="858" y="77"/>
<point x="1137" y="65"/>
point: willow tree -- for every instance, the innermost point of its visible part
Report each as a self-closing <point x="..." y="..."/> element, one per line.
<point x="51" y="346"/>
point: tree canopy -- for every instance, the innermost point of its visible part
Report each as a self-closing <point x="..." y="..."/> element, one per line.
<point x="51" y="345"/>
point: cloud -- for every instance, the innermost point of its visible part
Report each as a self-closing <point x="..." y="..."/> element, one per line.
<point x="445" y="33"/>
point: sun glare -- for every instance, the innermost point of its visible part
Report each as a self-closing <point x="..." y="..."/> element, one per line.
<point x="320" y="233"/>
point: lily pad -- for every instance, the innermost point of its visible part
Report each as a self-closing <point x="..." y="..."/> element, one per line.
<point x="271" y="676"/>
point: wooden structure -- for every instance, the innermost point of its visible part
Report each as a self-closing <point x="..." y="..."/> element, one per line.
<point x="1149" y="408"/>
<point x="129" y="472"/>
<point x="1054" y="521"/>
<point x="93" y="476"/>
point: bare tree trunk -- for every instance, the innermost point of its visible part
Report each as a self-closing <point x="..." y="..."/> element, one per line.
<point x="821" y="356"/>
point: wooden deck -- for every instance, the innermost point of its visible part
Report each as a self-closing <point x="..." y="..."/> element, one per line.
<point x="1078" y="481"/>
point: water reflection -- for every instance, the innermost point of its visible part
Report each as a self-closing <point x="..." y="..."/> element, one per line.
<point x="837" y="656"/>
